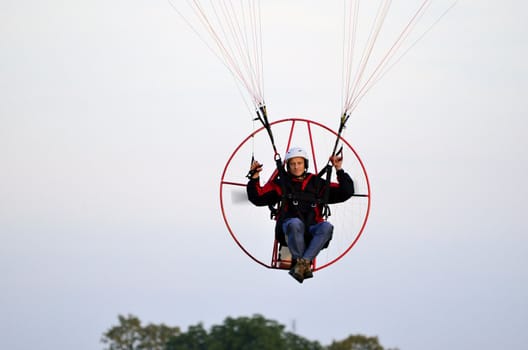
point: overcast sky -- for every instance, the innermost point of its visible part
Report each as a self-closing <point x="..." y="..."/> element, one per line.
<point x="116" y="124"/>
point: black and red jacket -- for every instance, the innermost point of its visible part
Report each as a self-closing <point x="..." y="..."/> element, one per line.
<point x="303" y="198"/>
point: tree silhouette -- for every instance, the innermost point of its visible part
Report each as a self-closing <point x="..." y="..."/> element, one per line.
<point x="242" y="333"/>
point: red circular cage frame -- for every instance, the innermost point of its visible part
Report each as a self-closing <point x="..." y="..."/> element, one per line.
<point x="275" y="261"/>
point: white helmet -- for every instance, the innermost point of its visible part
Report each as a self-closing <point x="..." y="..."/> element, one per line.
<point x="297" y="152"/>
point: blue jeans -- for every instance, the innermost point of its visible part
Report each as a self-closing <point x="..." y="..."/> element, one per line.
<point x="320" y="233"/>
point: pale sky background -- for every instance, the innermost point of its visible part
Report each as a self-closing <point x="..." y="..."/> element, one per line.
<point x="116" y="123"/>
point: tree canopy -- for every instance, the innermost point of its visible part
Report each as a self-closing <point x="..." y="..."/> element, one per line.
<point x="242" y="333"/>
<point x="130" y="335"/>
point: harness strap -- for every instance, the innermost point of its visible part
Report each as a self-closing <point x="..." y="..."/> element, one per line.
<point x="281" y="175"/>
<point x="328" y="170"/>
<point x="262" y="116"/>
